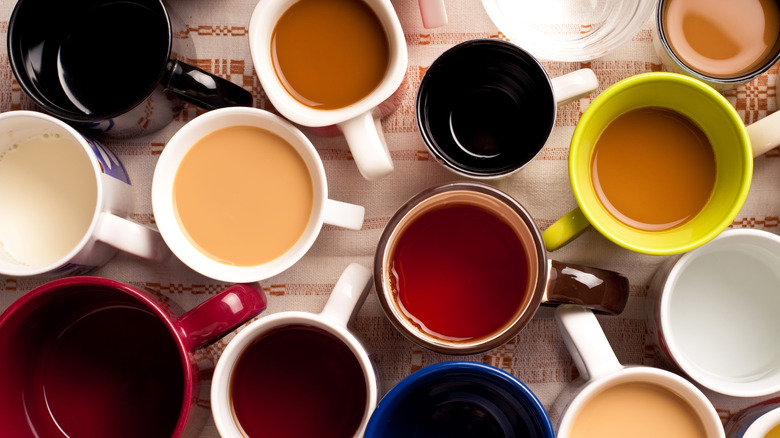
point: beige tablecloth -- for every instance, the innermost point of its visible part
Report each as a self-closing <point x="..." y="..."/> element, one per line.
<point x="537" y="355"/>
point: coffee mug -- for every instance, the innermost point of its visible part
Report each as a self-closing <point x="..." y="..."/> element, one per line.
<point x="719" y="42"/>
<point x="612" y="400"/>
<point x="712" y="312"/>
<point x="486" y="107"/>
<point x="91" y="64"/>
<point x="299" y="374"/>
<point x="336" y="62"/>
<point x="92" y="357"/>
<point x="240" y="195"/>
<point x="460" y="269"/>
<point x="65" y="201"/>
<point x="460" y="399"/>
<point x="433" y="13"/>
<point x="660" y="163"/>
<point x="761" y="420"/>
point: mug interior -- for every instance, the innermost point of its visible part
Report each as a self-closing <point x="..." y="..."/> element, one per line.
<point x="460" y="399"/>
<point x="36" y="242"/>
<point x="165" y="175"/>
<point x="102" y="343"/>
<point x="703" y="106"/>
<point x="485" y="108"/>
<point x="720" y="294"/>
<point x="495" y="203"/>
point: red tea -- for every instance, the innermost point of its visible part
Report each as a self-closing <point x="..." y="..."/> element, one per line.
<point x="459" y="272"/>
<point x="299" y="382"/>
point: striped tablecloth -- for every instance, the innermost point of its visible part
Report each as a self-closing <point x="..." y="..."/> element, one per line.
<point x="537" y="355"/>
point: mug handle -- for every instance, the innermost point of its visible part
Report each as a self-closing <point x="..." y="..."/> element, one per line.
<point x="433" y="13"/>
<point x="586" y="342"/>
<point x="764" y="134"/>
<point x="574" y="85"/>
<point x="344" y="215"/>
<point x="368" y="146"/>
<point x="202" y="88"/>
<point x="222" y="313"/>
<point x="597" y="289"/>
<point x="131" y="237"/>
<point x="348" y="295"/>
<point x="565" y="230"/>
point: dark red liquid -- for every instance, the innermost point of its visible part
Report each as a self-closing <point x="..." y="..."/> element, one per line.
<point x="460" y="272"/>
<point x="115" y="372"/>
<point x="299" y="381"/>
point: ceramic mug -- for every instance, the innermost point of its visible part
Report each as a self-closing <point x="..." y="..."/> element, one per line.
<point x="65" y="200"/>
<point x="463" y="399"/>
<point x="359" y="121"/>
<point x="299" y="373"/>
<point x="761" y="420"/>
<point x="732" y="144"/>
<point x="711" y="312"/>
<point x="486" y="107"/>
<point x="237" y="193"/>
<point x="605" y="400"/>
<point x="460" y="269"/>
<point x="88" y="356"/>
<point x="115" y="68"/>
<point x="433" y="13"/>
<point x="713" y="41"/>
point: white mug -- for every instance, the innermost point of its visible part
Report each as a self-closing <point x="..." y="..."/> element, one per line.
<point x="345" y="301"/>
<point x="359" y="122"/>
<point x="712" y="312"/>
<point x="323" y="210"/>
<point x="756" y="421"/>
<point x="614" y="397"/>
<point x="65" y="199"/>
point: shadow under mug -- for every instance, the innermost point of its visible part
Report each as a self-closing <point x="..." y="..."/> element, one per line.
<point x="712" y="313"/>
<point x="609" y="399"/>
<point x="460" y="399"/>
<point x="323" y="210"/>
<point x="437" y="287"/>
<point x="359" y="121"/>
<point x="717" y="119"/>
<point x="486" y="107"/>
<point x="88" y="356"/>
<point x="298" y="373"/>
<point x="115" y="68"/>
<point x="66" y="199"/>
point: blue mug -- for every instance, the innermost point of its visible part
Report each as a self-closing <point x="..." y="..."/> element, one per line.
<point x="460" y="399"/>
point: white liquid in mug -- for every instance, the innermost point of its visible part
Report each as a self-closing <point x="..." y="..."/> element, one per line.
<point x="48" y="195"/>
<point x="724" y="313"/>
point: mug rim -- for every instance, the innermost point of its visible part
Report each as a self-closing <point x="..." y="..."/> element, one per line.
<point x="609" y="226"/>
<point x="165" y="173"/>
<point x="513" y="325"/>
<point x="18" y="69"/>
<point x="393" y="399"/>
<point x="221" y="401"/>
<point x="763" y="424"/>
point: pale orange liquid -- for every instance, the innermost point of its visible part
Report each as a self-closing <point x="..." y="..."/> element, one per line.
<point x="329" y="53"/>
<point x="722" y="38"/>
<point x="653" y="169"/>
<point x="774" y="433"/>
<point x="243" y="195"/>
<point x="637" y="410"/>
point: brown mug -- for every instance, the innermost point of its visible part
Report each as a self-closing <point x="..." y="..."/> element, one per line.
<point x="461" y="268"/>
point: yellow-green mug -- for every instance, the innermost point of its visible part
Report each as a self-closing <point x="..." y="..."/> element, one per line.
<point x="726" y="132"/>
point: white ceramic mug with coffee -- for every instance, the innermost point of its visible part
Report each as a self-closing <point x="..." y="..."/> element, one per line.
<point x="712" y="312"/>
<point x="240" y="194"/>
<point x="65" y="199"/>
<point x="613" y="400"/>
<point x="298" y="373"/>
<point x="761" y="420"/>
<point x="359" y="118"/>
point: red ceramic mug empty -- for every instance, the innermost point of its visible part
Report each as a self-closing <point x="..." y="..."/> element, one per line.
<point x="92" y="357"/>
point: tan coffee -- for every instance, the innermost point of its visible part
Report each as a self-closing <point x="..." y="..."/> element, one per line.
<point x="243" y="195"/>
<point x="637" y="410"/>
<point x="722" y="38"/>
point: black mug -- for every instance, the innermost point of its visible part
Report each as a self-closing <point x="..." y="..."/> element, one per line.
<point x="113" y="67"/>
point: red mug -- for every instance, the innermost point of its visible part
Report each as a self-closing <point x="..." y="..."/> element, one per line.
<point x="92" y="357"/>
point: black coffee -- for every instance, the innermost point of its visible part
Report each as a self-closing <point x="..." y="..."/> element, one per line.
<point x="96" y="58"/>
